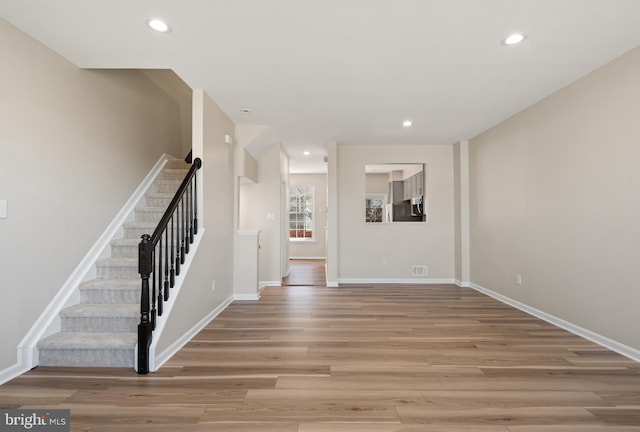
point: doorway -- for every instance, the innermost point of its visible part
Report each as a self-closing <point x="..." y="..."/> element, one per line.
<point x="306" y="272"/>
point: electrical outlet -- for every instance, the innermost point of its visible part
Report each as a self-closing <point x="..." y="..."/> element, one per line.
<point x="518" y="279"/>
<point x="385" y="262"/>
<point x="3" y="209"/>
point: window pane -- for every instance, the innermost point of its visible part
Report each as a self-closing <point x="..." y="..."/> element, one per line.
<point x="301" y="212"/>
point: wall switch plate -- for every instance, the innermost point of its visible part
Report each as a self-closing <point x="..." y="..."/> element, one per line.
<point x="3" y="209"/>
<point x="518" y="280"/>
<point x="213" y="286"/>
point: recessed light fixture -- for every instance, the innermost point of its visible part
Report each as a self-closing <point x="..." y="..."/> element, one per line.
<point x="245" y="111"/>
<point x="158" y="25"/>
<point x="306" y="153"/>
<point x="513" y="39"/>
<point x="407" y="123"/>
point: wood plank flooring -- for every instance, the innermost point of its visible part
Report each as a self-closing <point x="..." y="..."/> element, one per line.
<point x="359" y="359"/>
<point x="306" y="272"/>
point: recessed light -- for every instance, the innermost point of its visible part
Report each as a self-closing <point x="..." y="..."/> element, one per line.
<point x="407" y="123"/>
<point x="514" y="39"/>
<point x="306" y="153"/>
<point x="158" y="25"/>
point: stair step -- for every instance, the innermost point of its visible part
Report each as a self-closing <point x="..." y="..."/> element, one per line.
<point x="117" y="268"/>
<point x="177" y="164"/>
<point x="111" y="291"/>
<point x="125" y="248"/>
<point x="78" y="349"/>
<point x="135" y="230"/>
<point x="100" y="318"/>
<point x="150" y="214"/>
<point x="170" y="186"/>
<point x="158" y="199"/>
<point x="174" y="173"/>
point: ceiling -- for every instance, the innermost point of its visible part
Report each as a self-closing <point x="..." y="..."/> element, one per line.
<point x="348" y="71"/>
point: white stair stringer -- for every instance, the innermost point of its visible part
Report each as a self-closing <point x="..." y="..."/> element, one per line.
<point x="101" y="330"/>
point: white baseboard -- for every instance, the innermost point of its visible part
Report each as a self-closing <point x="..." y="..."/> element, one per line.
<point x="263" y="284"/>
<point x="412" y="281"/>
<point x="463" y="284"/>
<point x="604" y="341"/>
<point x="333" y="284"/>
<point x="245" y="297"/>
<point x="165" y="355"/>
<point x="12" y="372"/>
<point x="307" y="258"/>
<point x="49" y="321"/>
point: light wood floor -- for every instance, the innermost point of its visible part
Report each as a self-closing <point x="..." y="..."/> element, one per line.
<point x="358" y="359"/>
<point x="306" y="272"/>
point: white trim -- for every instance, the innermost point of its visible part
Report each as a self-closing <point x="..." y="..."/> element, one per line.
<point x="49" y="321"/>
<point x="161" y="321"/>
<point x="241" y="297"/>
<point x="462" y="284"/>
<point x="413" y="281"/>
<point x="12" y="372"/>
<point x="263" y="284"/>
<point x="307" y="258"/>
<point x="604" y="341"/>
<point x="332" y="285"/>
<point x="182" y="341"/>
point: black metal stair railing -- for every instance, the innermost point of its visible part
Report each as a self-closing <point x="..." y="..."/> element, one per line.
<point x="160" y="256"/>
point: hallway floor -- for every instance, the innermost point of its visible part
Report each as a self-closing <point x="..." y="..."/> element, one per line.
<point x="306" y="272"/>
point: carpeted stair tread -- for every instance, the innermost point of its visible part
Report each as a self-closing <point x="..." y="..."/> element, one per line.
<point x="111" y="291"/>
<point x="174" y="173"/>
<point x="101" y="310"/>
<point x="82" y="340"/>
<point x="159" y="195"/>
<point x="117" y="261"/>
<point x="125" y="242"/>
<point x="138" y="224"/>
<point x="165" y="184"/>
<point x="111" y="284"/>
<point x="151" y="209"/>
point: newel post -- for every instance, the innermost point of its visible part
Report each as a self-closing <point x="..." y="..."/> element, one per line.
<point x="145" y="328"/>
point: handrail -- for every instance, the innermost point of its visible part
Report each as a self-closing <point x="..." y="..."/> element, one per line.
<point x="169" y="243"/>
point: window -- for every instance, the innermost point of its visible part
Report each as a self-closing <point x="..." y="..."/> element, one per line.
<point x="301" y="213"/>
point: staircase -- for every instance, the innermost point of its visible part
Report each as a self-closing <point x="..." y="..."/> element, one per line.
<point x="101" y="330"/>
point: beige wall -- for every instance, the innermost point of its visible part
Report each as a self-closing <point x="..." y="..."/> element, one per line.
<point x="261" y="208"/>
<point x="74" y="145"/>
<point x="318" y="247"/>
<point x="456" y="213"/>
<point x="362" y="247"/>
<point x="555" y="197"/>
<point x="179" y="91"/>
<point x="377" y="184"/>
<point x="214" y="258"/>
